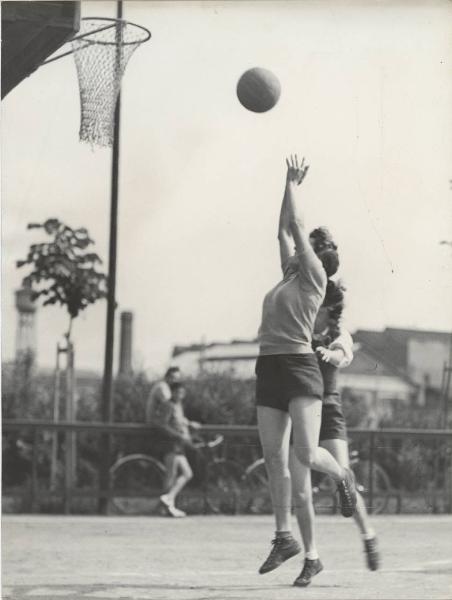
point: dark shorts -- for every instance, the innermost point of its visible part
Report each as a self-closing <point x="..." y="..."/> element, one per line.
<point x="282" y="377"/>
<point x="172" y="447"/>
<point x="333" y="425"/>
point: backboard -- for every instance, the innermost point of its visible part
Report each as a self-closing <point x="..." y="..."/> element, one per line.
<point x="31" y="32"/>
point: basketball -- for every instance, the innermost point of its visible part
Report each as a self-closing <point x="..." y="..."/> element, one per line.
<point x="258" y="90"/>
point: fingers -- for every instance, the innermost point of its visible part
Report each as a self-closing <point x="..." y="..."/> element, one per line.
<point x="301" y="165"/>
<point x="292" y="162"/>
<point x="304" y="170"/>
<point x="324" y="354"/>
<point x="296" y="170"/>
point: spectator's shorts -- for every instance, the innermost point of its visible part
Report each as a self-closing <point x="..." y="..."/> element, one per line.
<point x="172" y="447"/>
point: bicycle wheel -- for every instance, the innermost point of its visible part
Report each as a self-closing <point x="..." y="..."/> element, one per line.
<point x="256" y="493"/>
<point x="381" y="485"/>
<point x="222" y="487"/>
<point x="136" y="483"/>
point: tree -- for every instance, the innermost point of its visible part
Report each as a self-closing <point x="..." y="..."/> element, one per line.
<point x="64" y="271"/>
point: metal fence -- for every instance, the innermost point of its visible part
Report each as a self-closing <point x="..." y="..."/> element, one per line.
<point x="404" y="470"/>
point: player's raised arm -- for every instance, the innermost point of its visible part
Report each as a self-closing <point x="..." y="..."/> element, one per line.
<point x="285" y="239"/>
<point x="294" y="216"/>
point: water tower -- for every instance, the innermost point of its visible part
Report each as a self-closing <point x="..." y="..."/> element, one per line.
<point x="26" y="324"/>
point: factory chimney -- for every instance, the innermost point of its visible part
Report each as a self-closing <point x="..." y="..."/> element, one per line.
<point x="125" y="344"/>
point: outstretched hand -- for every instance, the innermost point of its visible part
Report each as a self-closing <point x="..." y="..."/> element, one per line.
<point x="324" y="354"/>
<point x="296" y="172"/>
<point x="333" y="357"/>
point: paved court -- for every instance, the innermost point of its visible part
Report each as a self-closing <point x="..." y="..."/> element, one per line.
<point x="53" y="557"/>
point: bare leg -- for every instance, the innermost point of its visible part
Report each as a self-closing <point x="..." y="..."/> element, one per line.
<point x="303" y="505"/>
<point x="339" y="449"/>
<point x="306" y="418"/>
<point x="274" y="432"/>
<point x="183" y="475"/>
<point x="171" y="471"/>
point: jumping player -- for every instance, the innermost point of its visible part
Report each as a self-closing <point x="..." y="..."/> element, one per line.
<point x="289" y="384"/>
<point x="334" y="347"/>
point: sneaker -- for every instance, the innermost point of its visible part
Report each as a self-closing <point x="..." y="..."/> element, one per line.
<point x="176" y="513"/>
<point x="171" y="510"/>
<point x="347" y="493"/>
<point x="310" y="569"/>
<point x="283" y="549"/>
<point x="372" y="554"/>
<point x="167" y="503"/>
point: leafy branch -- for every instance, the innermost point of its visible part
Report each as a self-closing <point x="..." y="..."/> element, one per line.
<point x="64" y="270"/>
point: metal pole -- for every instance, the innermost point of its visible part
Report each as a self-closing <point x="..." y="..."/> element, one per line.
<point x="71" y="393"/>
<point x="371" y="472"/>
<point x="69" y="436"/>
<point x="56" y="418"/>
<point x="107" y="386"/>
<point x="34" y="472"/>
<point x="448" y="476"/>
<point x="446" y="395"/>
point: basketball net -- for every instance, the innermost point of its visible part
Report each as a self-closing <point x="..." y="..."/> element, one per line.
<point x="101" y="51"/>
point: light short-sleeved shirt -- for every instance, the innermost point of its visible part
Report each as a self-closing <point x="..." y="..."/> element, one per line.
<point x="163" y="411"/>
<point x="178" y="421"/>
<point x="330" y="371"/>
<point x="344" y="342"/>
<point x="159" y="409"/>
<point x="290" y="309"/>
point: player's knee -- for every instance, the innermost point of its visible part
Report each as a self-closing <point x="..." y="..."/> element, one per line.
<point x="275" y="459"/>
<point x="306" y="456"/>
<point x="302" y="498"/>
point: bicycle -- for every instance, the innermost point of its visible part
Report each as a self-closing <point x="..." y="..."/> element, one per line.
<point x="381" y="485"/>
<point x="137" y="481"/>
<point x="257" y="495"/>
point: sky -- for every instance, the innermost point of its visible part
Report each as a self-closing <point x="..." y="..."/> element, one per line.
<point x="366" y="98"/>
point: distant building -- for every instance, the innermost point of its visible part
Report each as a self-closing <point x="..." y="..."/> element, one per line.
<point x="237" y="358"/>
<point x="370" y="375"/>
<point x="377" y="385"/>
<point x="375" y="379"/>
<point x="420" y="354"/>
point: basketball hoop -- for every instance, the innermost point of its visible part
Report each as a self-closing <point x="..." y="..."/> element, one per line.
<point x="101" y="52"/>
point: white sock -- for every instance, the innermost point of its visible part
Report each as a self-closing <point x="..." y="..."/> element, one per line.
<point x="369" y="535"/>
<point x="313" y="555"/>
